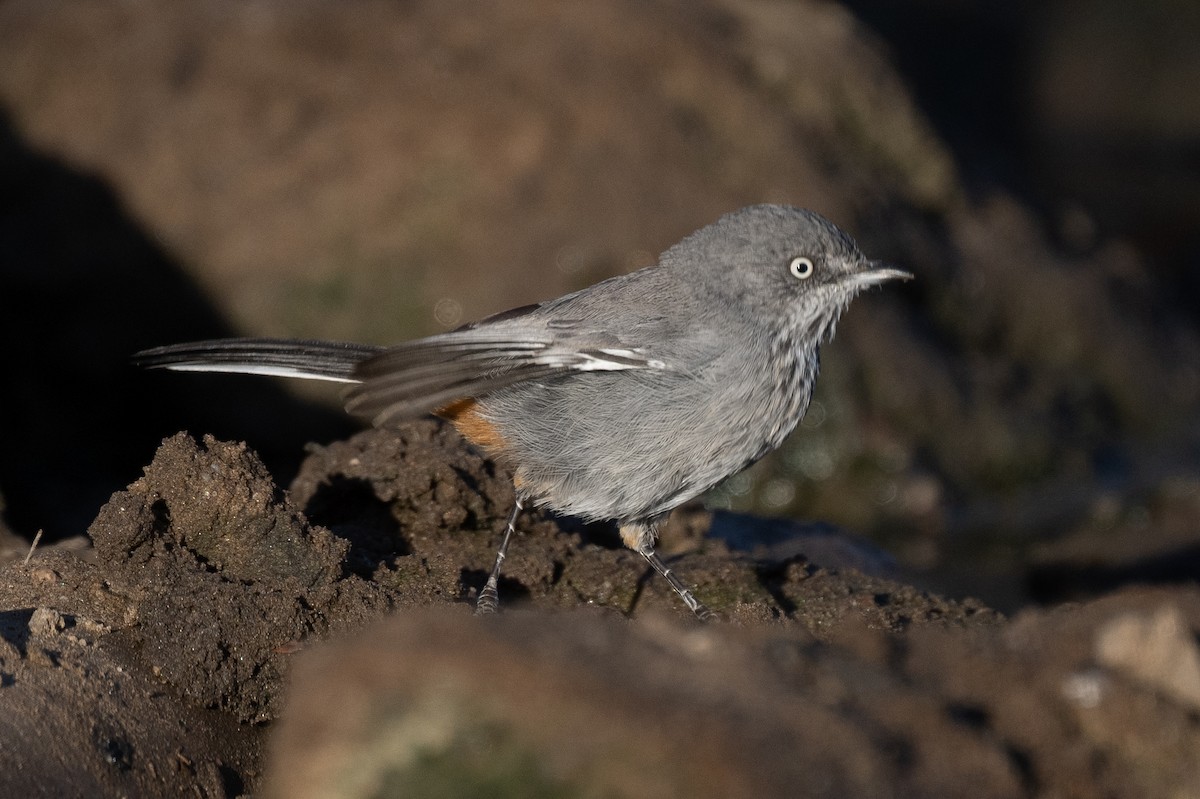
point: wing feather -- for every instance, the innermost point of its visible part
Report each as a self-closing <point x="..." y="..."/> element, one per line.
<point x="424" y="375"/>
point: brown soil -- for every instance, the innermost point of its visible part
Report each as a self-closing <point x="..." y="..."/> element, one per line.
<point x="158" y="662"/>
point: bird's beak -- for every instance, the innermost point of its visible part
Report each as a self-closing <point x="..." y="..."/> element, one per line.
<point x="876" y="272"/>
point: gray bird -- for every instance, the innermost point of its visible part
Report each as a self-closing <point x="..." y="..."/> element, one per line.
<point x="625" y="399"/>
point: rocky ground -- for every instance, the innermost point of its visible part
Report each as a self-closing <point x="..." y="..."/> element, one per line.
<point x="995" y="594"/>
<point x="224" y="637"/>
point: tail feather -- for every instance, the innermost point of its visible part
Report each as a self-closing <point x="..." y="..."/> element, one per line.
<point x="314" y="360"/>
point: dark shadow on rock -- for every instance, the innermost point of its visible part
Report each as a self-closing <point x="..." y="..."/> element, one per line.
<point x="1063" y="581"/>
<point x="602" y="534"/>
<point x="1134" y="177"/>
<point x="984" y="45"/>
<point x="780" y="541"/>
<point x="350" y="508"/>
<point x="82" y="287"/>
<point x="14" y="627"/>
<point x="512" y="591"/>
<point x="773" y="574"/>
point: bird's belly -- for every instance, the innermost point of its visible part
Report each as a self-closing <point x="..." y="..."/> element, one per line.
<point x="633" y="445"/>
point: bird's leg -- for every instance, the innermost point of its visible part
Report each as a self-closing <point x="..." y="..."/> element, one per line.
<point x="640" y="537"/>
<point x="701" y="611"/>
<point x="489" y="597"/>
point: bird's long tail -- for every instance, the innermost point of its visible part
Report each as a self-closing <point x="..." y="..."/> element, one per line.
<point x="313" y="360"/>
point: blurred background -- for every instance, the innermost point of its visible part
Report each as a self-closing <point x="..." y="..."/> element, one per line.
<point x="1018" y="424"/>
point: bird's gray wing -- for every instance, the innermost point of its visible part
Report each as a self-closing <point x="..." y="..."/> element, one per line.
<point x="420" y="376"/>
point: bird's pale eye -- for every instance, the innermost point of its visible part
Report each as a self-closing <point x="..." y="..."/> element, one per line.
<point x="801" y="267"/>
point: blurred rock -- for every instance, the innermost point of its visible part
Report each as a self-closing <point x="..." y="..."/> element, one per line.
<point x="1158" y="650"/>
<point x="440" y="704"/>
